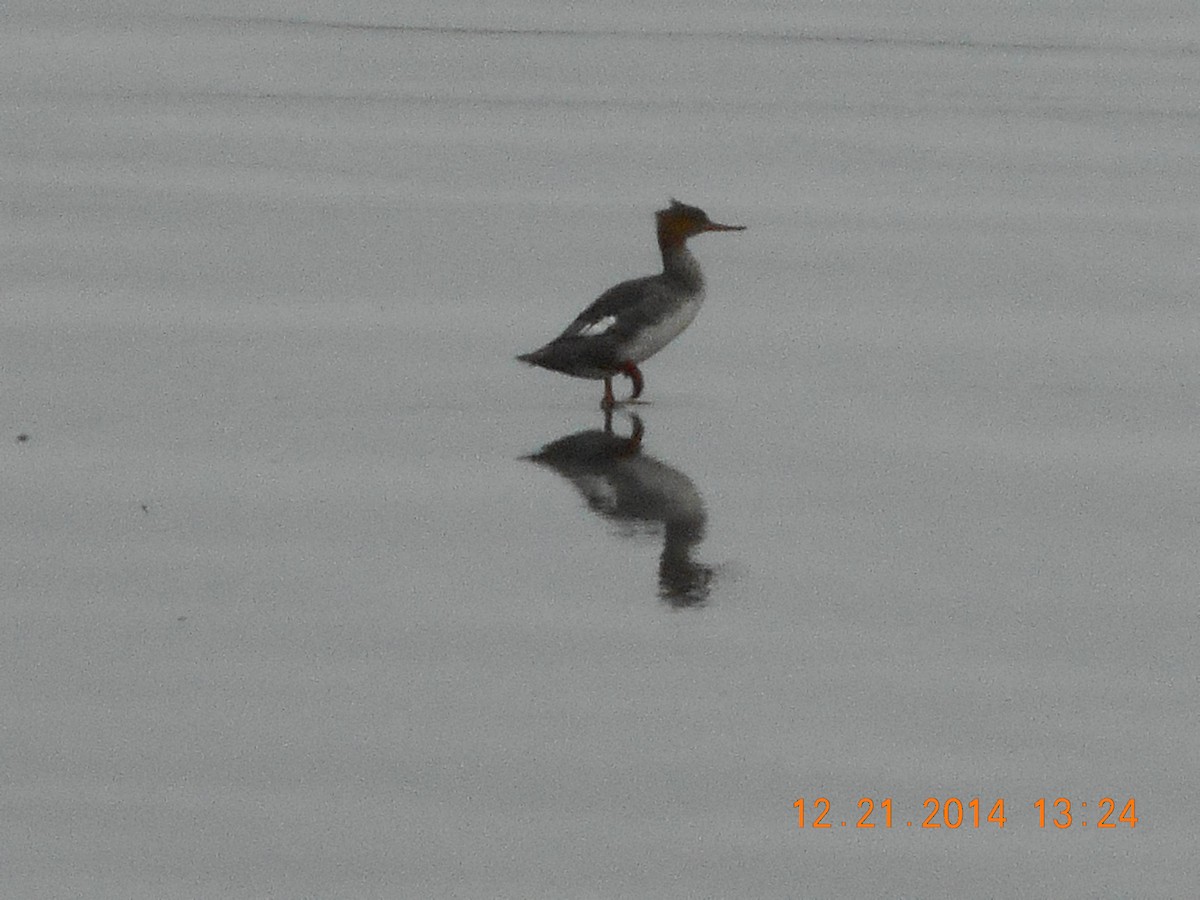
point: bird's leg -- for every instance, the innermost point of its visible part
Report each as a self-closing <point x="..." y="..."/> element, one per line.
<point x="631" y="370"/>
<point x="609" y="400"/>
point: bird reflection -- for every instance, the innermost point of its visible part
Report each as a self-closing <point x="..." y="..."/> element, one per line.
<point x="621" y="483"/>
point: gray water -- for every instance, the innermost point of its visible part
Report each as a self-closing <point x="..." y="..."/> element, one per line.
<point x="287" y="609"/>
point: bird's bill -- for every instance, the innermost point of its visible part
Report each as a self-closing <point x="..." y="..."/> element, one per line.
<point x="717" y="226"/>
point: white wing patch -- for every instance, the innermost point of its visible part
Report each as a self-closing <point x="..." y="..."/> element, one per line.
<point x="592" y="329"/>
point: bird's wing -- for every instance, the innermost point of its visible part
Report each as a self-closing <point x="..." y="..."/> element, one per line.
<point x="620" y="311"/>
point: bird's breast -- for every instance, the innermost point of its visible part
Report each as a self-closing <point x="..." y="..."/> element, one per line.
<point x="656" y="334"/>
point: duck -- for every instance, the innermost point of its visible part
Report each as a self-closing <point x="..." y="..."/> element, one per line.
<point x="633" y="320"/>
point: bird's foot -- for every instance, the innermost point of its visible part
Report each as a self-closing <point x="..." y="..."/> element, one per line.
<point x="634" y="374"/>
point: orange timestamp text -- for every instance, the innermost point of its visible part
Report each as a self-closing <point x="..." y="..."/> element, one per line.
<point x="953" y="812"/>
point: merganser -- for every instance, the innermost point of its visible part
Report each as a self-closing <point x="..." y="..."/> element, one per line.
<point x="632" y="321"/>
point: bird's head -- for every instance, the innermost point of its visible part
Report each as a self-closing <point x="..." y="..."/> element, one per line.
<point x="679" y="221"/>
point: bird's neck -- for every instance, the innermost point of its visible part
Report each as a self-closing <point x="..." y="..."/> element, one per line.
<point x="679" y="264"/>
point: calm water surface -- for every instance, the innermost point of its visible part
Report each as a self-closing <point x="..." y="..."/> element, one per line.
<point x="314" y="591"/>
